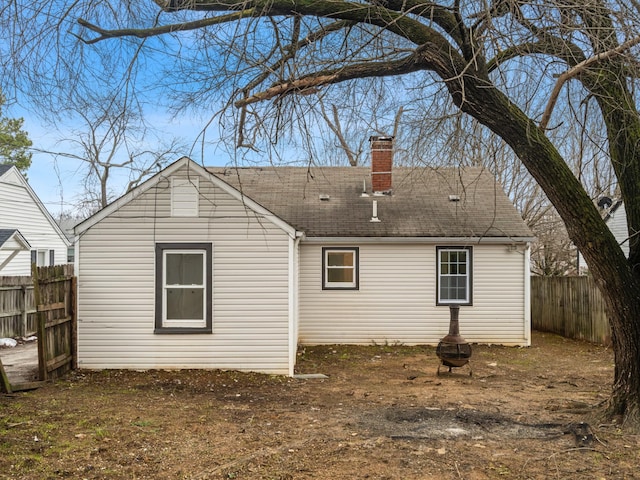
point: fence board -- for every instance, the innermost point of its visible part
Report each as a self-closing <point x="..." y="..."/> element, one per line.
<point x="569" y="306"/>
<point x="54" y="296"/>
<point x="17" y="308"/>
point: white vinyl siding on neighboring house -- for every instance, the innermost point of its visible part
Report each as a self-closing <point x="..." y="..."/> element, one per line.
<point x="618" y="226"/>
<point x="249" y="286"/>
<point x="19" y="210"/>
<point x="396" y="299"/>
<point x="617" y="223"/>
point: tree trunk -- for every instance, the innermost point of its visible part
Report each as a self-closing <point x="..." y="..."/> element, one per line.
<point x="611" y="269"/>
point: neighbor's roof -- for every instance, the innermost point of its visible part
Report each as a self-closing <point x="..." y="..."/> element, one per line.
<point x="4" y="233"/>
<point x="8" y="234"/>
<point x="4" y="169"/>
<point x="419" y="206"/>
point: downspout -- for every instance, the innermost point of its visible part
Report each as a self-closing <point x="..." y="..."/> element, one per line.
<point x="527" y="294"/>
<point x="294" y="251"/>
<point x="76" y="273"/>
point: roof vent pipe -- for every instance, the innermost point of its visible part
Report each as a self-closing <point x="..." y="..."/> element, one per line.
<point x="374" y="216"/>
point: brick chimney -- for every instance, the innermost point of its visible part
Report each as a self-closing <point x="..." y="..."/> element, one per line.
<point x="381" y="163"/>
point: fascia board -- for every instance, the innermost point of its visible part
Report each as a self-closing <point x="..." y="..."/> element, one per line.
<point x="128" y="197"/>
<point x="423" y="240"/>
<point x="167" y="172"/>
<point x="18" y="238"/>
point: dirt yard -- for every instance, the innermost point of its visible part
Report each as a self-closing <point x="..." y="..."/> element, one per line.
<point x="382" y="413"/>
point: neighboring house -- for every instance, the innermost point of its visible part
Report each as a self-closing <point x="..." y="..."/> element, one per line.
<point x="615" y="216"/>
<point x="28" y="233"/>
<point x="233" y="268"/>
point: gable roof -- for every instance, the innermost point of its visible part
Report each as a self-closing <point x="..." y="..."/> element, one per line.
<point x="165" y="173"/>
<point x="12" y="233"/>
<point x="23" y="182"/>
<point x="419" y="206"/>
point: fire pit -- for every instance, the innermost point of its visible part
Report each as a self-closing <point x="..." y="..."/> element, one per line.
<point x="453" y="350"/>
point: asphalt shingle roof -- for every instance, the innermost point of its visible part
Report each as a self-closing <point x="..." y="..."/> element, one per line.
<point x="418" y="207"/>
<point x="4" y="169"/>
<point x="5" y="234"/>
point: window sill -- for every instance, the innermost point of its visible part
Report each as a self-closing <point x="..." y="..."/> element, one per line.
<point x="182" y="330"/>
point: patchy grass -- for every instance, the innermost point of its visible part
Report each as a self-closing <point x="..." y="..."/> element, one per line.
<point x="382" y="413"/>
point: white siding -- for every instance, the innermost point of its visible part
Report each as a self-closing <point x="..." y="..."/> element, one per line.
<point x="617" y="223"/>
<point x="396" y="301"/>
<point x="19" y="210"/>
<point x="250" y="287"/>
<point x="618" y="226"/>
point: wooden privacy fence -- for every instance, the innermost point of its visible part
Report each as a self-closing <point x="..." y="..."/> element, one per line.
<point x="17" y="308"/>
<point x="54" y="295"/>
<point x="569" y="306"/>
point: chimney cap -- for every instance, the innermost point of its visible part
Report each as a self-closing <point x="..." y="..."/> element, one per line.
<point x="381" y="138"/>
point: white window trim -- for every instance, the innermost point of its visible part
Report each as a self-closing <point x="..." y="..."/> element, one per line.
<point x="185" y="322"/>
<point x="326" y="284"/>
<point x="468" y="300"/>
<point x="162" y="324"/>
<point x="45" y="257"/>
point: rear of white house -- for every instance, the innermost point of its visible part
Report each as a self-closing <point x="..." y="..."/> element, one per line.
<point x="233" y="268"/>
<point x="397" y="298"/>
<point x="183" y="274"/>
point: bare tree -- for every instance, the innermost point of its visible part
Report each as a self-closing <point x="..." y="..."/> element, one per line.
<point x="115" y="151"/>
<point x="272" y="59"/>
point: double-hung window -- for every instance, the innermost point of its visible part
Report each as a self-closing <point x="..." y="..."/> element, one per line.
<point x="454" y="275"/>
<point x="183" y="288"/>
<point x="340" y="268"/>
<point x="39" y="257"/>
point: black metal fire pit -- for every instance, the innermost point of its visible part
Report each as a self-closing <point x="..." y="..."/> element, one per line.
<point x="453" y="350"/>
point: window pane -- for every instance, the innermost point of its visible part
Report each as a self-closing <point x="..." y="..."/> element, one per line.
<point x="453" y="288"/>
<point x="184" y="269"/>
<point x="340" y="259"/>
<point x="454" y="276"/>
<point x="185" y="303"/>
<point x="340" y="275"/>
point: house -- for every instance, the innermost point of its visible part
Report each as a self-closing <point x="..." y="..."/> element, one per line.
<point x="28" y="233"/>
<point x="615" y="216"/>
<point x="233" y="268"/>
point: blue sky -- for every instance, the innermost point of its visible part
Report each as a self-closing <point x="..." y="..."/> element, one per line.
<point x="57" y="179"/>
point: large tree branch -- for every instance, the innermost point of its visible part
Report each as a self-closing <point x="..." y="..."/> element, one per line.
<point x="104" y="34"/>
<point x="411" y="63"/>
<point x="576" y="70"/>
<point x="376" y="14"/>
<point x="553" y="46"/>
<point x="292" y="49"/>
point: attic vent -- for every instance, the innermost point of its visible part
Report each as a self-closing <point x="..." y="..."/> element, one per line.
<point x="324" y="197"/>
<point x="184" y="197"/>
<point x="454" y="198"/>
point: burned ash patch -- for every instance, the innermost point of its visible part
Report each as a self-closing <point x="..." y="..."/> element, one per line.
<point x="436" y="423"/>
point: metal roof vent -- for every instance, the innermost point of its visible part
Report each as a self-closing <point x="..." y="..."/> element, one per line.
<point x="605" y="202"/>
<point x="374" y="216"/>
<point x="324" y="197"/>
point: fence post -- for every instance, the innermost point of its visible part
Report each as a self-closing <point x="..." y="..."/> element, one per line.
<point x="5" y="385"/>
<point x="23" y="308"/>
<point x="40" y="325"/>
